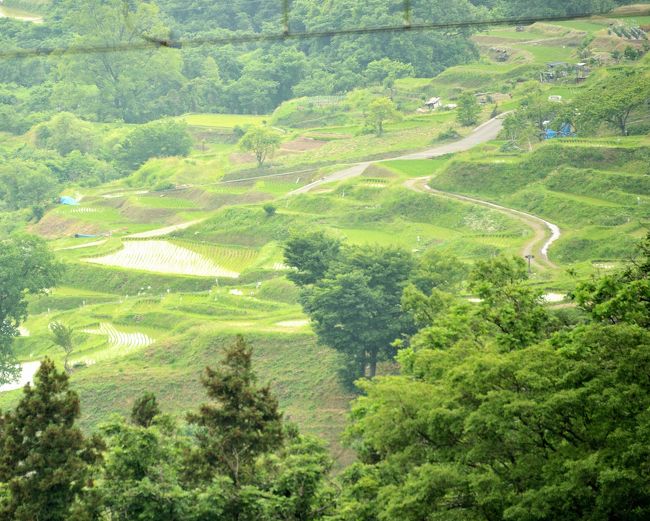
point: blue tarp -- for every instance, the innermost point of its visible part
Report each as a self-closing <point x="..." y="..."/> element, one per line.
<point x="565" y="131"/>
<point x="68" y="200"/>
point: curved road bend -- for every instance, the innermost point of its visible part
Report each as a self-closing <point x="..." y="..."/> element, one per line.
<point x="488" y="131"/>
<point x="537" y="246"/>
<point x="481" y="134"/>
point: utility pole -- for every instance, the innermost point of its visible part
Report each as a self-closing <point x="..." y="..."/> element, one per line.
<point x="530" y="259"/>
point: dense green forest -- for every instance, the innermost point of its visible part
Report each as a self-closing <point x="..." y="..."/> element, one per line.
<point x="504" y="410"/>
<point x="247" y="78"/>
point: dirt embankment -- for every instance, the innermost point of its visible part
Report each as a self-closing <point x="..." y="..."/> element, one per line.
<point x="56" y="227"/>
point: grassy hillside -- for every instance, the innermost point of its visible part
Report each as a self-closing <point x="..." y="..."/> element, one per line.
<point x="144" y="324"/>
<point x="597" y="190"/>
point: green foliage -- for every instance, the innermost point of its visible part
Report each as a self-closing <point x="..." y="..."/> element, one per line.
<point x="140" y="476"/>
<point x="468" y="109"/>
<point x="66" y="133"/>
<point x="437" y="271"/>
<point x="270" y="209"/>
<point x="262" y="141"/>
<point x="156" y="139"/>
<point x="386" y="71"/>
<point x="379" y="111"/>
<point x="242" y="423"/>
<point x="556" y="429"/>
<point x="355" y="307"/>
<point x="310" y="256"/>
<point x="26" y="268"/>
<point x="514" y="309"/>
<point x="45" y="459"/>
<point x="62" y="337"/>
<point x="520" y="130"/>
<point x="613" y="99"/>
<point x="26" y="184"/>
<point x="129" y="86"/>
<point x="622" y="296"/>
<point x="145" y="409"/>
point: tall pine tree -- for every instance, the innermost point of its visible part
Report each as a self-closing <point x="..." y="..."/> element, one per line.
<point x="240" y="424"/>
<point x="44" y="458"/>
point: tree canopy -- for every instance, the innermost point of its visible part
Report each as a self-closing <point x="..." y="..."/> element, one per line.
<point x="555" y="426"/>
<point x="44" y="459"/>
<point x="261" y="141"/>
<point x="26" y="268"/>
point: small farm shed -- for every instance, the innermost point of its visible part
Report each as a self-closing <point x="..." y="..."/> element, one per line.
<point x="433" y="103"/>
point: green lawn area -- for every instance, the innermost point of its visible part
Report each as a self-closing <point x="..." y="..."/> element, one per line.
<point x="223" y="120"/>
<point x="583" y="25"/>
<point x="544" y="54"/>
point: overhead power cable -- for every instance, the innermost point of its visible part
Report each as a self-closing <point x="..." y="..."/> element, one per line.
<point x="149" y="42"/>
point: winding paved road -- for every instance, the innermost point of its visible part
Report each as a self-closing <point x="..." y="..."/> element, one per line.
<point x="481" y="134"/>
<point x="537" y="246"/>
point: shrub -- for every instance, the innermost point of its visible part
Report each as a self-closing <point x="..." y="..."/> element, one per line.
<point x="448" y="135"/>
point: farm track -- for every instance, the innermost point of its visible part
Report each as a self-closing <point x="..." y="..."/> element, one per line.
<point x="81" y="246"/>
<point x="481" y="134"/>
<point x="537" y="246"/>
<point x="159" y="232"/>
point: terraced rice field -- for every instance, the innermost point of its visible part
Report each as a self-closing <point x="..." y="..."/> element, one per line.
<point x="85" y="209"/>
<point x="121" y="339"/>
<point x="163" y="257"/>
<point x="234" y="259"/>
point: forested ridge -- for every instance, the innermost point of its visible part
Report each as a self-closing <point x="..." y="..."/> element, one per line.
<point x="246" y="78"/>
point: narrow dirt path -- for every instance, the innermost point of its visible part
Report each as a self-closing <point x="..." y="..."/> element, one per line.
<point x="159" y="232"/>
<point x="537" y="246"/>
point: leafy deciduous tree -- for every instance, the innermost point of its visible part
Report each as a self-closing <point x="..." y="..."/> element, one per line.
<point x="261" y="141"/>
<point x="310" y="256"/>
<point x="468" y="109"/>
<point x="62" y="337"/>
<point x="379" y="111"/>
<point x="355" y="307"/>
<point x="613" y="99"/>
<point x="26" y="268"/>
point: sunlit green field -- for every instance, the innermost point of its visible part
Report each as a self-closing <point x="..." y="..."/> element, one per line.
<point x="223" y="120"/>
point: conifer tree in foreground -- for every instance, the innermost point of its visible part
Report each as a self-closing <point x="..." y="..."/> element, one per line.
<point x="44" y="459"/>
<point x="240" y="424"/>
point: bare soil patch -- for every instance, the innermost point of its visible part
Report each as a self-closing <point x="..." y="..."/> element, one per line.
<point x="55" y="227"/>
<point x="302" y="144"/>
<point x="241" y="158"/>
<point x="140" y="214"/>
